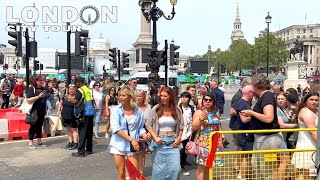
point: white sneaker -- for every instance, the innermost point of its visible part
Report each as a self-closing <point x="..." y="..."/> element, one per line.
<point x="185" y="172"/>
<point x="107" y="135"/>
<point x="32" y="146"/>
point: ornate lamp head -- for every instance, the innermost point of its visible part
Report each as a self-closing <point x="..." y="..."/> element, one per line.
<point x="268" y="18"/>
<point x="173" y="2"/>
<point x="145" y="5"/>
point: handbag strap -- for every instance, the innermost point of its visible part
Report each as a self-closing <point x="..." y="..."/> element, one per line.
<point x="127" y="125"/>
<point x="190" y="136"/>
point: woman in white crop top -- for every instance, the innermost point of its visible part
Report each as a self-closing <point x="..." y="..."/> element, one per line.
<point x="165" y="125"/>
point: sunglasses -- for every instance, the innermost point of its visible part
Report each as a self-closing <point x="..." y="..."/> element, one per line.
<point x="97" y="85"/>
<point x="207" y="100"/>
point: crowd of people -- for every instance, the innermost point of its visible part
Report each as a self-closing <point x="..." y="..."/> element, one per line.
<point x="156" y="121"/>
<point x="274" y="109"/>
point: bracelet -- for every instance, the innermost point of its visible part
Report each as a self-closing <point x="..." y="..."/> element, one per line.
<point x="131" y="140"/>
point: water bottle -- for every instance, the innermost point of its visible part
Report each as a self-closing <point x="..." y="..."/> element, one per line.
<point x="153" y="146"/>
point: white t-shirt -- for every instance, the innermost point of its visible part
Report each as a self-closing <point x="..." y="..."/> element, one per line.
<point x="97" y="96"/>
<point x="187" y="119"/>
<point x="91" y="84"/>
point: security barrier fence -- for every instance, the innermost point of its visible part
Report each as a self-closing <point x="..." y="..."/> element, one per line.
<point x="275" y="164"/>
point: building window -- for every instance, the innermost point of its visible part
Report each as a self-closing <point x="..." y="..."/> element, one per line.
<point x="298" y="30"/>
<point x="304" y="30"/>
<point x="298" y="37"/>
<point x="288" y="33"/>
<point x="284" y="39"/>
<point x="288" y="38"/>
<point x="311" y="30"/>
<point x="304" y="36"/>
<point x="311" y="35"/>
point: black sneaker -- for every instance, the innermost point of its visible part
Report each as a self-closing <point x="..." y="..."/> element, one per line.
<point x="184" y="171"/>
<point x="89" y="152"/>
<point x="77" y="154"/>
<point x="69" y="145"/>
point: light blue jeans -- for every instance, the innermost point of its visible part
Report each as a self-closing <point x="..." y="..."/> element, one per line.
<point x="96" y="121"/>
<point x="166" y="160"/>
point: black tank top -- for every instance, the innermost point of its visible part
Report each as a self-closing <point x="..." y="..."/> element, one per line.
<point x="112" y="101"/>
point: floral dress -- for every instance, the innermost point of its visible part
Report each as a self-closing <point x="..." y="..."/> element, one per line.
<point x="211" y="124"/>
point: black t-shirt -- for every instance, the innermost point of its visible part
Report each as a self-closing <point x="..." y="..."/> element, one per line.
<point x="67" y="109"/>
<point x="112" y="101"/>
<point x="266" y="99"/>
<point x="242" y="105"/>
<point x="39" y="104"/>
<point x="233" y="119"/>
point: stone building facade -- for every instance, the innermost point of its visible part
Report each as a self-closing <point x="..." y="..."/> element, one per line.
<point x="310" y="36"/>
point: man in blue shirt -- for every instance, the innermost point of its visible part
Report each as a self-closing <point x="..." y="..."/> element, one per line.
<point x="244" y="141"/>
<point x="243" y="122"/>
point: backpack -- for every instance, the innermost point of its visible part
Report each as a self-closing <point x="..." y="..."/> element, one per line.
<point x="84" y="105"/>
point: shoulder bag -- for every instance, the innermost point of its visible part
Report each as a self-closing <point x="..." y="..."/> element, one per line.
<point x="191" y="147"/>
<point x="25" y="106"/>
<point x="32" y="118"/>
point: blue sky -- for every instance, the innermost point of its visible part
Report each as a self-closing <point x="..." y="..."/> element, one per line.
<point x="198" y="23"/>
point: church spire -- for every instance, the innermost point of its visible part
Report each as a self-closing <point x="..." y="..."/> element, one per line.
<point x="237" y="32"/>
<point x="238" y="13"/>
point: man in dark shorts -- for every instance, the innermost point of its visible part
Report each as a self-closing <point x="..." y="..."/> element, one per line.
<point x="233" y="116"/>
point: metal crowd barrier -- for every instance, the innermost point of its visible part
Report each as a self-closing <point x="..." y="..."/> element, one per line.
<point x="277" y="164"/>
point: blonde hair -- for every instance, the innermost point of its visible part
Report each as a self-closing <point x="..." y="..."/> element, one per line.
<point x="131" y="94"/>
<point x="143" y="93"/>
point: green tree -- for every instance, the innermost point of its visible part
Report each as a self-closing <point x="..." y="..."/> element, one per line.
<point x="278" y="53"/>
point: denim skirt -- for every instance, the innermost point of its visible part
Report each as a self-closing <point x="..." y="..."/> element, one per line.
<point x="166" y="160"/>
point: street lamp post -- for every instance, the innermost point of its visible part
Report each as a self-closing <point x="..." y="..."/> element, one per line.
<point x="268" y="21"/>
<point x="152" y="13"/>
<point x="252" y="60"/>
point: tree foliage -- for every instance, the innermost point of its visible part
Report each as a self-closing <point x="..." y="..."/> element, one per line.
<point x="242" y="55"/>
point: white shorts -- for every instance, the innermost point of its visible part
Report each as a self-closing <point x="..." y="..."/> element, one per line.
<point x="114" y="150"/>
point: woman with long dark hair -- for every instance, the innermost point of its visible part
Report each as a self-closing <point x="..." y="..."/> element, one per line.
<point x="307" y="118"/>
<point x="165" y="125"/>
<point x="111" y="101"/>
<point x="37" y="95"/>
